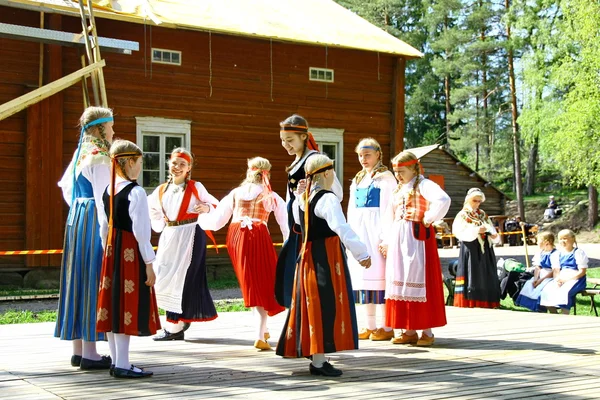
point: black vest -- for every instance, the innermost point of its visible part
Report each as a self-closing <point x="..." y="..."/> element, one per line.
<point x="121" y="217"/>
<point x="317" y="227"/>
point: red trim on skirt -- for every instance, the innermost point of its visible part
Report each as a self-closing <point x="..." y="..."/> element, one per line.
<point x="413" y="315"/>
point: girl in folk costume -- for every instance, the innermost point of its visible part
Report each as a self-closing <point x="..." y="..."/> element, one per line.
<point x="370" y="193"/>
<point x="414" y="292"/>
<point x="569" y="278"/>
<point x="249" y="243"/>
<point x="299" y="142"/>
<point x="322" y="317"/>
<point x="126" y="302"/>
<point x="545" y="261"/>
<point x="181" y="284"/>
<point x="477" y="282"/>
<point x="82" y="185"/>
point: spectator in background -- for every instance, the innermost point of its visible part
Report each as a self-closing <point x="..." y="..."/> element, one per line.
<point x="552" y="210"/>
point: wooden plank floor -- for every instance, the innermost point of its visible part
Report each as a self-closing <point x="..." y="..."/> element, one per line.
<point x="480" y="354"/>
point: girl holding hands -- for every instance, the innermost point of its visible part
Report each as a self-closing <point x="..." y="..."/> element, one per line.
<point x="181" y="283"/>
<point x="370" y="193"/>
<point x="299" y="142"/>
<point x="414" y="292"/>
<point x="249" y="243"/>
<point x="322" y="318"/>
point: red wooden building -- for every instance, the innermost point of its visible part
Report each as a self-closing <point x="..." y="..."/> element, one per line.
<point x="217" y="76"/>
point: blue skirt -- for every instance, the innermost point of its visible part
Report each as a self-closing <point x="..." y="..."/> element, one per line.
<point x="80" y="275"/>
<point x="286" y="267"/>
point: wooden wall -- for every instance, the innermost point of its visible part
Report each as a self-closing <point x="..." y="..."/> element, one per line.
<point x="239" y="120"/>
<point x="457" y="181"/>
<point x="19" y="71"/>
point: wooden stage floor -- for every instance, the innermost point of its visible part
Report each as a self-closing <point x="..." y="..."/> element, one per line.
<point x="480" y="354"/>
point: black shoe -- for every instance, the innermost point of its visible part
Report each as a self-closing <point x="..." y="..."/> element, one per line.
<point x="103" y="363"/>
<point x="186" y="326"/>
<point x="326" y="370"/>
<point x="111" y="371"/>
<point x="75" y="360"/>
<point x="130" y="373"/>
<point x="166" y="335"/>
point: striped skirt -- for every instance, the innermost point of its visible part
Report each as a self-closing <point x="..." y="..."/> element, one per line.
<point x="321" y="318"/>
<point x="80" y="275"/>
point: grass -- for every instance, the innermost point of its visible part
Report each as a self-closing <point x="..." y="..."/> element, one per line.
<point x="26" y="292"/>
<point x="28" y="317"/>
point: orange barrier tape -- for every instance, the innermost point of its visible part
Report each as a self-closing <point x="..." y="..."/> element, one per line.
<point x="59" y="251"/>
<point x="499" y="233"/>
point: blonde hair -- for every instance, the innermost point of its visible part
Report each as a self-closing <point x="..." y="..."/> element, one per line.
<point x="372" y="143"/>
<point x="313" y="163"/>
<point x="405" y="156"/>
<point x="257" y="166"/>
<point x="120" y="147"/>
<point x="568" y="233"/>
<point x="91" y="114"/>
<point x="546" y="236"/>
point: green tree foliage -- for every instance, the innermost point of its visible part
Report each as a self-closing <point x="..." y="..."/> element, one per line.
<point x="556" y="49"/>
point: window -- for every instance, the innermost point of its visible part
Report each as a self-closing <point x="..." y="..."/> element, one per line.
<point x="162" y="56"/>
<point x="331" y="143"/>
<point x="320" y="74"/>
<point x="157" y="137"/>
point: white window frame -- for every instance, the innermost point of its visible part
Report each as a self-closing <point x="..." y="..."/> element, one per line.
<point x="161" y="56"/>
<point x="336" y="137"/>
<point x="325" y="72"/>
<point x="155" y="126"/>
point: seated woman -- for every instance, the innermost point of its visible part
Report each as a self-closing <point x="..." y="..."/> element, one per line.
<point x="545" y="260"/>
<point x="570" y="279"/>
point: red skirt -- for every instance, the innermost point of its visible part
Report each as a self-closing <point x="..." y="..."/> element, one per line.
<point x="413" y="315"/>
<point x="125" y="304"/>
<point x="254" y="261"/>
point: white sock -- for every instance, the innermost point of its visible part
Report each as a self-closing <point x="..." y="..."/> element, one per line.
<point x="370" y="312"/>
<point x="318" y="360"/>
<point x="112" y="346"/>
<point x="89" y="351"/>
<point x="428" y="332"/>
<point x="77" y="350"/>
<point x="122" y="345"/>
<point x="173" y="328"/>
<point x="261" y="322"/>
<point x="381" y="309"/>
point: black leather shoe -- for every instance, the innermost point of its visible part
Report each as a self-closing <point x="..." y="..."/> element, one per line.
<point x="166" y="335"/>
<point x="103" y="363"/>
<point x="326" y="370"/>
<point x="75" y="360"/>
<point x="111" y="371"/>
<point x="130" y="373"/>
<point x="186" y="326"/>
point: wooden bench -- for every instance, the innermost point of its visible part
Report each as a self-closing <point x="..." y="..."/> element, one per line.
<point x="590" y="292"/>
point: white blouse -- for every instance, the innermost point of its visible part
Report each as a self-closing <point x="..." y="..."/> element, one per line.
<point x="328" y="208"/>
<point x="218" y="218"/>
<point x="140" y="218"/>
<point x="468" y="232"/>
<point x="171" y="202"/>
<point x="99" y="177"/>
